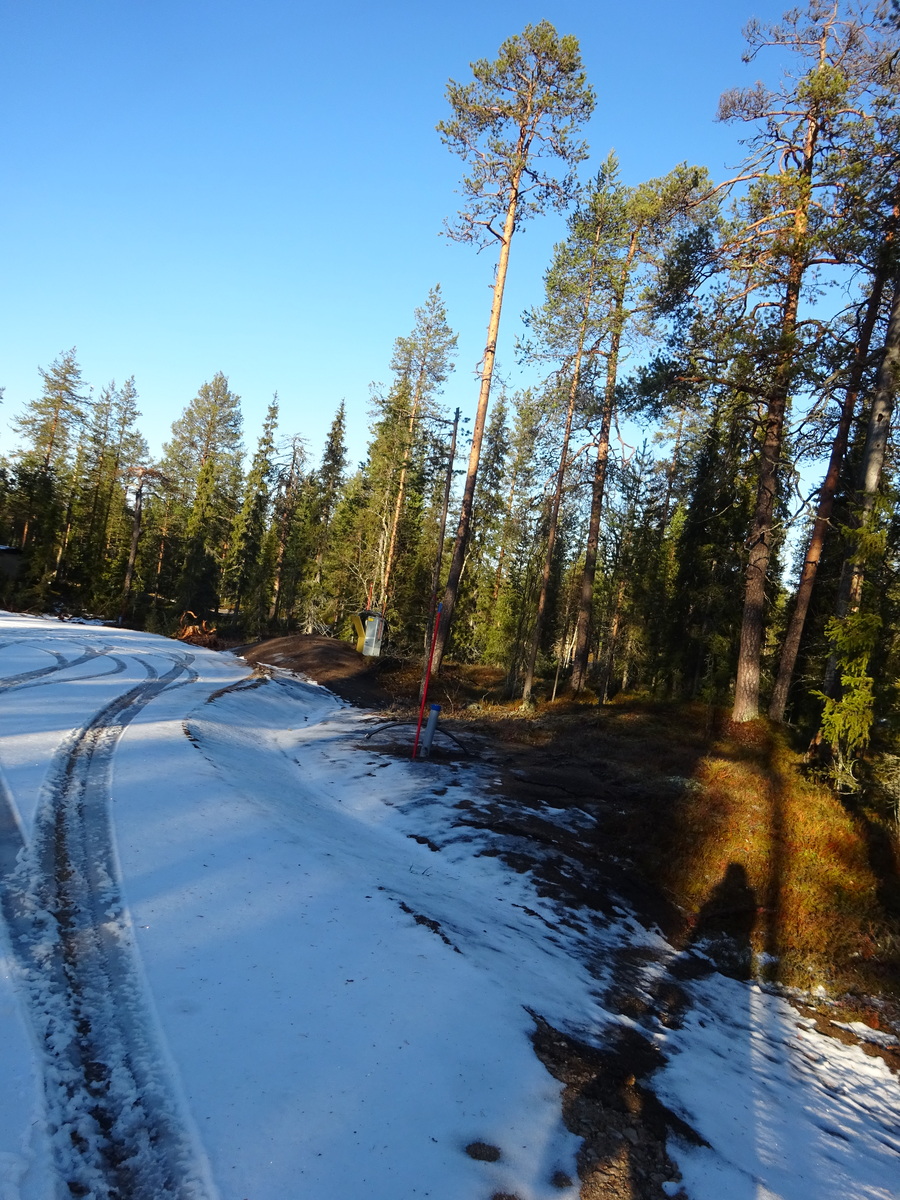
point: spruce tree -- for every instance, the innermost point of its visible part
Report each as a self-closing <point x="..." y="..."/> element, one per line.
<point x="319" y="596"/>
<point x="291" y="529"/>
<point x="202" y="465"/>
<point x="628" y="237"/>
<point x="421" y="363"/>
<point x="45" y="470"/>
<point x="245" y="580"/>
<point x="99" y="535"/>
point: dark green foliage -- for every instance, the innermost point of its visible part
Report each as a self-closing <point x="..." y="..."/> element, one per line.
<point x="711" y="525"/>
<point x="479" y="610"/>
<point x="202" y="466"/>
<point x="249" y="560"/>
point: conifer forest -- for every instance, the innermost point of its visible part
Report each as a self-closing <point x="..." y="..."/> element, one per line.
<point x="741" y="549"/>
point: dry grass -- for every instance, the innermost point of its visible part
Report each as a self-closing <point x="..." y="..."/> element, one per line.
<point x="809" y="903"/>
<point x="818" y="921"/>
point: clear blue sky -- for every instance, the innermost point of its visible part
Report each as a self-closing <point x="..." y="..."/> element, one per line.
<point x="193" y="186"/>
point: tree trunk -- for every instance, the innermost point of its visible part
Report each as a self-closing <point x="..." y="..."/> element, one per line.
<point x="283" y="533"/>
<point x="487" y="372"/>
<point x="561" y="474"/>
<point x="501" y="557"/>
<point x="869" y="477"/>
<point x="868" y="480"/>
<point x="612" y="642"/>
<point x="746" y="693"/>
<point x="588" y="574"/>
<point x="401" y="491"/>
<point x="160" y="558"/>
<point x="436" y="573"/>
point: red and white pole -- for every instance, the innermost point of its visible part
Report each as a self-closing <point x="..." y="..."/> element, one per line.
<point x="437" y="621"/>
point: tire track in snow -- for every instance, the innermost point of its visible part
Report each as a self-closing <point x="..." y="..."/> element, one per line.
<point x="118" y="666"/>
<point x="113" y="1122"/>
<point x="62" y="663"/>
<point x="11" y="837"/>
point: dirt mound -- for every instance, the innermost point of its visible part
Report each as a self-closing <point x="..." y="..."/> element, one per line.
<point x="335" y="665"/>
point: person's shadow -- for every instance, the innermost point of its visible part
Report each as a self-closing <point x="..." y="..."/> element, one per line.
<point x="725" y="924"/>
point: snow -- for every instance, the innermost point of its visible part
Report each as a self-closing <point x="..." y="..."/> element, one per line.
<point x="300" y="1031"/>
<point x="877" y="1037"/>
<point x="787" y="1112"/>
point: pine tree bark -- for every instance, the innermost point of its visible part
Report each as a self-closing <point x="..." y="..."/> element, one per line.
<point x="487" y="371"/>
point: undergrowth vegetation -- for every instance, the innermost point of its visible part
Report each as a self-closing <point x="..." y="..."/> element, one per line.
<point x="819" y="920"/>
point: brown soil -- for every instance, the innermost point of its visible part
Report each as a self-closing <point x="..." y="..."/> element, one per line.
<point x="336" y="665"/>
<point x="590" y="801"/>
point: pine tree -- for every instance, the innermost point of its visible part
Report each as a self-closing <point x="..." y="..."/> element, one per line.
<point x="210" y="427"/>
<point x="318" y="592"/>
<point x="633" y="234"/>
<point x="51" y="423"/>
<point x="867" y="207"/>
<point x="290" y="531"/>
<point x="523" y="108"/>
<point x="97" y="531"/>
<point x="330" y="478"/>
<point x="856" y="628"/>
<point x="781" y="230"/>
<point x="473" y="638"/>
<point x="705" y="612"/>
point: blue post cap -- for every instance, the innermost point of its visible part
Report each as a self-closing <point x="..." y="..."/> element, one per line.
<point x="435" y="708"/>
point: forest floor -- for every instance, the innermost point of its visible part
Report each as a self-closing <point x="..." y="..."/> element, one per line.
<point x="706" y="831"/>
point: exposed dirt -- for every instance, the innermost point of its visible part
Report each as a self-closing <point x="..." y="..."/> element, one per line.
<point x="336" y="665"/>
<point x="587" y="800"/>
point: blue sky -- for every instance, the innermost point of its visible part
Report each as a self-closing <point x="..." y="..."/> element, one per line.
<point x="192" y="187"/>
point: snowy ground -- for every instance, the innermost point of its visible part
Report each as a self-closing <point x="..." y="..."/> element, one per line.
<point x="231" y="970"/>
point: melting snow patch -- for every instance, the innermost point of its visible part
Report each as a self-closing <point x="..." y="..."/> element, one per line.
<point x="866" y="1033"/>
